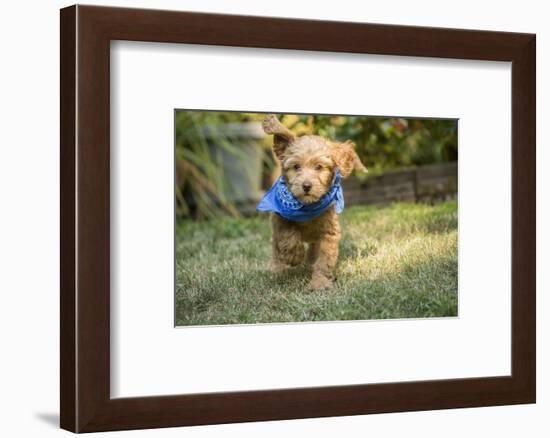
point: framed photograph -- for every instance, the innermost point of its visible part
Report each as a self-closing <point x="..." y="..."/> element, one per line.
<point x="267" y="219"/>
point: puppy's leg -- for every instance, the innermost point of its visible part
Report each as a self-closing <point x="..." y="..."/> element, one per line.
<point x="327" y="256"/>
<point x="287" y="245"/>
<point x="312" y="253"/>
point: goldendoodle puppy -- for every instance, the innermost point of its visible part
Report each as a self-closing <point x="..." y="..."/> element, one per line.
<point x="307" y="199"/>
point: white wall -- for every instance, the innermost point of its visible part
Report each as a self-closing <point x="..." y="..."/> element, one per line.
<point x="29" y="215"/>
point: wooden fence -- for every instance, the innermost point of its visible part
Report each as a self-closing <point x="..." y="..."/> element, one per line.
<point x="430" y="184"/>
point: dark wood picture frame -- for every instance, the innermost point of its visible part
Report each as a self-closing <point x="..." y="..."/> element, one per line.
<point x="86" y="33"/>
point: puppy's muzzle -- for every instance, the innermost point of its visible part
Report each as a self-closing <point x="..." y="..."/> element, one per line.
<point x="306" y="186"/>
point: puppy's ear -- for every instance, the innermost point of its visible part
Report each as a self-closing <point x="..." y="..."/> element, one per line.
<point x="346" y="158"/>
<point x="282" y="136"/>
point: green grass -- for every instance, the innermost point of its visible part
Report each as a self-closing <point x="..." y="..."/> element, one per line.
<point x="399" y="261"/>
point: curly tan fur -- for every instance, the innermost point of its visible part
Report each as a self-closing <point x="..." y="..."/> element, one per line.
<point x="308" y="166"/>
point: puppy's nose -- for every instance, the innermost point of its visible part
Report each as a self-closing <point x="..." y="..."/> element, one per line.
<point x="306" y="186"/>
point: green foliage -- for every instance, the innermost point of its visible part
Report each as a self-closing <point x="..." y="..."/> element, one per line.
<point x="385" y="143"/>
<point x="200" y="181"/>
<point x="399" y="261"/>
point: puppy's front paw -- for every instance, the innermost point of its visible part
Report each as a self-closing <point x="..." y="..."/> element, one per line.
<point x="319" y="282"/>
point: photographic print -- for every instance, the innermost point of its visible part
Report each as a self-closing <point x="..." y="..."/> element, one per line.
<point x="286" y="218"/>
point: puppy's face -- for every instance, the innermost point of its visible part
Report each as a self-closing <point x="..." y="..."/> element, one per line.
<point x="308" y="168"/>
<point x="309" y="162"/>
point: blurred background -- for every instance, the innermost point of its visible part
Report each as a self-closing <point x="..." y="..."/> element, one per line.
<point x="224" y="161"/>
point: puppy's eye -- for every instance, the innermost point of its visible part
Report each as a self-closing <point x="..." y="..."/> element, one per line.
<point x="296" y="167"/>
<point x="318" y="167"/>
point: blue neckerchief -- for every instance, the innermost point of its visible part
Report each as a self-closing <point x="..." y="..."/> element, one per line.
<point x="281" y="201"/>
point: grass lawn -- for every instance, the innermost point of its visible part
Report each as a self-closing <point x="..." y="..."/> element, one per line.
<point x="399" y="261"/>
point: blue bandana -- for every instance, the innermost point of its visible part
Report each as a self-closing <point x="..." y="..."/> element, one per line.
<point x="281" y="201"/>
